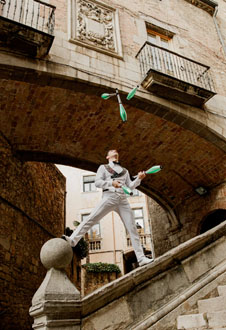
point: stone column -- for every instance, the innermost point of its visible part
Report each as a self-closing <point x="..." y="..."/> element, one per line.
<point x="56" y="304"/>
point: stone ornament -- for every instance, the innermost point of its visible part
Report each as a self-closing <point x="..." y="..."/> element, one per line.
<point x="95" y="25"/>
<point x="56" y="304"/>
<point x="56" y="253"/>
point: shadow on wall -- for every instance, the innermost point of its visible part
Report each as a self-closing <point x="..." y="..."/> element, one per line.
<point x="212" y="220"/>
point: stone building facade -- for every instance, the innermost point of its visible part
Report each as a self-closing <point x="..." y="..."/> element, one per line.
<point x="31" y="212"/>
<point x="51" y="109"/>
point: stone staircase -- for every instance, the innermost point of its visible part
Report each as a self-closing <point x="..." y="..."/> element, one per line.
<point x="151" y="297"/>
<point x="212" y="314"/>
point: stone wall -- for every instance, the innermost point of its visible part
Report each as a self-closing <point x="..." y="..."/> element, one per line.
<point x="189" y="39"/>
<point x="67" y="57"/>
<point x="31" y="212"/>
<point x="91" y="281"/>
<point x="190" y="213"/>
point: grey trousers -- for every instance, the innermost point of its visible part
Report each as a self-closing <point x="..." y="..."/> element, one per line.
<point x="117" y="202"/>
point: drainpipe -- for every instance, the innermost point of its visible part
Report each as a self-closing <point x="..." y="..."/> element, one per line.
<point x="65" y="195"/>
<point x="218" y="30"/>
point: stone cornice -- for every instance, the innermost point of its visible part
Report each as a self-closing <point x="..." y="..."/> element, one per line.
<point x="207" y="5"/>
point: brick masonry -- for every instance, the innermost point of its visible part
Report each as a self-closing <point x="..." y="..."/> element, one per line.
<point x="31" y="211"/>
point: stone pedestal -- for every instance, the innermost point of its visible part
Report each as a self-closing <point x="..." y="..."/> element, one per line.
<point x="56" y="304"/>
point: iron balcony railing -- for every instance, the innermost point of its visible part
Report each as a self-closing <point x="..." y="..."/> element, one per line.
<point x="156" y="58"/>
<point x="34" y="13"/>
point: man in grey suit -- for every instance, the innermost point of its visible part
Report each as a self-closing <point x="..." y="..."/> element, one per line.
<point x="111" y="177"/>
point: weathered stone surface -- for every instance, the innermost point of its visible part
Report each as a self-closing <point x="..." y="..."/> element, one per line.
<point x="166" y="235"/>
<point x="221" y="290"/>
<point x="162" y="289"/>
<point x="31" y="212"/>
<point x="56" y="253"/>
<point x="55" y="286"/>
<point x="91" y="281"/>
<point x="191" y="321"/>
<point x="212" y="304"/>
<point x="217" y="319"/>
<point x="56" y="302"/>
<point x="203" y="261"/>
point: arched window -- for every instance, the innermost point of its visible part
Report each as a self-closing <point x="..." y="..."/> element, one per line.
<point x="212" y="220"/>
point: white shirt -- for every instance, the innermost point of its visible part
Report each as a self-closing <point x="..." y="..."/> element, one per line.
<point x="103" y="178"/>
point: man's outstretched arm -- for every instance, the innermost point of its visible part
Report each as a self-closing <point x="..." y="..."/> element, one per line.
<point x="133" y="184"/>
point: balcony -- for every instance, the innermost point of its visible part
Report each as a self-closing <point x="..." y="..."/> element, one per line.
<point x="144" y="239"/>
<point x="26" y="27"/>
<point x="207" y="5"/>
<point x="94" y="244"/>
<point x="172" y="76"/>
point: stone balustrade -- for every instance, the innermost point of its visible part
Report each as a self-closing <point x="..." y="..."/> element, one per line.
<point x="150" y="297"/>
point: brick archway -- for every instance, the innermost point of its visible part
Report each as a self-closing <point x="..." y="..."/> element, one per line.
<point x="50" y="119"/>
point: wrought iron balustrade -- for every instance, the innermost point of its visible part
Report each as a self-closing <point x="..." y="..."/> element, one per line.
<point x="33" y="13"/>
<point x="152" y="57"/>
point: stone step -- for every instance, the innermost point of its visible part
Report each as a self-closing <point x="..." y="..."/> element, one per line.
<point x="212" y="304"/>
<point x="221" y="290"/>
<point x="192" y="321"/>
<point x="217" y="319"/>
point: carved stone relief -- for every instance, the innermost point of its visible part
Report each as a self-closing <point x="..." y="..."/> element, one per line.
<point x="95" y="25"/>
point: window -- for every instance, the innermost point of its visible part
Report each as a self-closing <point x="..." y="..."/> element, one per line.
<point x="158" y="39"/>
<point x="89" y="183"/>
<point x="139" y="218"/>
<point x="160" y="59"/>
<point x="94" y="232"/>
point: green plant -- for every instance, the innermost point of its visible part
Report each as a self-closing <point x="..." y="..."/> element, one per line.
<point x="100" y="267"/>
<point x="81" y="249"/>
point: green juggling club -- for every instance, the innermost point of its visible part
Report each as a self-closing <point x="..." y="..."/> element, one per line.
<point x="106" y="96"/>
<point x="123" y="113"/>
<point x="132" y="93"/>
<point x="127" y="190"/>
<point x="152" y="170"/>
<point x="121" y="108"/>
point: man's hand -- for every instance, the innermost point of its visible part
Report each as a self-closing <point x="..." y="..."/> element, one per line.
<point x="116" y="184"/>
<point x="141" y="175"/>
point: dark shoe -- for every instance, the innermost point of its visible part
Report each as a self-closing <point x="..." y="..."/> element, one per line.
<point x="67" y="239"/>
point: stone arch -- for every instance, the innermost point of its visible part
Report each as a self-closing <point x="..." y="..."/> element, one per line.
<point x="211" y="220"/>
<point x="65" y="121"/>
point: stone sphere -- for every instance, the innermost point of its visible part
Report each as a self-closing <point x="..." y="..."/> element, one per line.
<point x="56" y="253"/>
